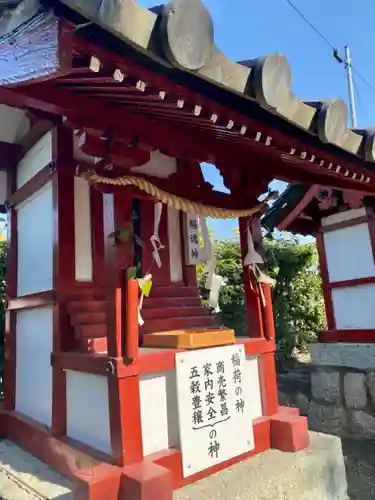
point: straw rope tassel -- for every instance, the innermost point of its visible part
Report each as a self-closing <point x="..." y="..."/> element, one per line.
<point x="172" y="200"/>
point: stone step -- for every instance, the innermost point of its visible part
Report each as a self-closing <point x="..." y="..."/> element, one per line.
<point x="179" y="323"/>
<point x="155" y="302"/>
<point x="172" y="312"/>
<point x="88" y="318"/>
<point x="91" y="331"/>
<point x="317" y="473"/>
<point x="91" y="306"/>
<point x="87" y="294"/>
<point x="174" y="291"/>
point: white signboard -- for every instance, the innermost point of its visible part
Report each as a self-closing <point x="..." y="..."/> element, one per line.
<point x="193" y="250"/>
<point x="215" y="416"/>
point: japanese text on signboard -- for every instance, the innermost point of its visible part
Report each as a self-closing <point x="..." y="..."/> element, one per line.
<point x="209" y="397"/>
<point x="193" y="251"/>
<point x="214" y="411"/>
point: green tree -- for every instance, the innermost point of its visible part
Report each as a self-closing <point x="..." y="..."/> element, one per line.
<point x="231" y="301"/>
<point x="297" y="297"/>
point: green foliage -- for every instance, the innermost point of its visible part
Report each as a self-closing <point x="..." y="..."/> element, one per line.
<point x="229" y="265"/>
<point x="297" y="297"/>
<point x="2" y="301"/>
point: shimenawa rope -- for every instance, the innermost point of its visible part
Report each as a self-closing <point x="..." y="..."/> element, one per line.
<point x="172" y="200"/>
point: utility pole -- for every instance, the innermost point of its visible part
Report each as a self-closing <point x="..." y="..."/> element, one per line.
<point x="348" y="69"/>
<point x="349" y="74"/>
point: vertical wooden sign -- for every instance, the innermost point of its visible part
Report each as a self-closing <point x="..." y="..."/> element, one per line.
<point x="193" y="249"/>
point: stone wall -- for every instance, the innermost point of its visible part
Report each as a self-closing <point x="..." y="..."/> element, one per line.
<point x="343" y="402"/>
<point x="337" y="399"/>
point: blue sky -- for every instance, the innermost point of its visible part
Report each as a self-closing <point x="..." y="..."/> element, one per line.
<point x="249" y="28"/>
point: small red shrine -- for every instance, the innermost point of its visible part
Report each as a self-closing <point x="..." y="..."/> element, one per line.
<point x="107" y="111"/>
<point x="342" y="222"/>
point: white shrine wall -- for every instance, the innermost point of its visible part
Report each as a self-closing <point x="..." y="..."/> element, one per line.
<point x="83" y="231"/>
<point x="33" y="368"/>
<point x="88" y="410"/>
<point x="343" y="216"/>
<point x="159" y="412"/>
<point x="35" y="242"/>
<point x="350" y="257"/>
<point x="14" y="124"/>
<point x="159" y="409"/>
<point x="34" y="327"/>
<point x="354" y="307"/>
<point x="38" y="157"/>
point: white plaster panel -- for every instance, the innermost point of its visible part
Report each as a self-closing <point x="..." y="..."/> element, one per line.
<point x="13" y="124"/>
<point x="35" y="242"/>
<point x="3" y="187"/>
<point x="82" y="228"/>
<point x="354" y="307"/>
<point x="343" y="216"/>
<point x="253" y="384"/>
<point x="175" y="247"/>
<point x="160" y="166"/>
<point x="159" y="413"/>
<point x="38" y="157"/>
<point x="34" y="330"/>
<point x="88" y="410"/>
<point x="349" y="254"/>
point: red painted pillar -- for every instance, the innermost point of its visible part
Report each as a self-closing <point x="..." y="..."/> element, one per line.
<point x="261" y="324"/>
<point x="327" y="292"/>
<point x="268" y="384"/>
<point x="268" y="318"/>
<point x="63" y="263"/>
<point x="253" y="300"/>
<point x="132" y="326"/>
<point x="117" y="212"/>
<point x="123" y="392"/>
<point x="125" y="419"/>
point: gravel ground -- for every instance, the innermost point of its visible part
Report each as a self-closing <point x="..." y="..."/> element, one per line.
<point x="360" y="468"/>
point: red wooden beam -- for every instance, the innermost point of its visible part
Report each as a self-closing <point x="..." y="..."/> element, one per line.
<point x="350" y="336"/>
<point x="296" y="211"/>
<point x="279" y="137"/>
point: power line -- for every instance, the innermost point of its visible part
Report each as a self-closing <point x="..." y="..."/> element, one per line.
<point x="371" y="87"/>
<point x="336" y="54"/>
<point x="319" y="33"/>
<point x="359" y="97"/>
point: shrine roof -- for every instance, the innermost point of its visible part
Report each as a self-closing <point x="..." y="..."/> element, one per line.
<point x="251" y="102"/>
<point x="300" y="208"/>
<point x="284" y="205"/>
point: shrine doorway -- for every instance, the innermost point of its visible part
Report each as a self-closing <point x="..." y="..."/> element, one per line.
<point x="137" y="237"/>
<point x="165" y="235"/>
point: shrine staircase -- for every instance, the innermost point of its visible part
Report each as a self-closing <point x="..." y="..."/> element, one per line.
<point x="168" y="308"/>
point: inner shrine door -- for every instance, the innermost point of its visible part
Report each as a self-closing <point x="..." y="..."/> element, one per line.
<point x="167" y="231"/>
